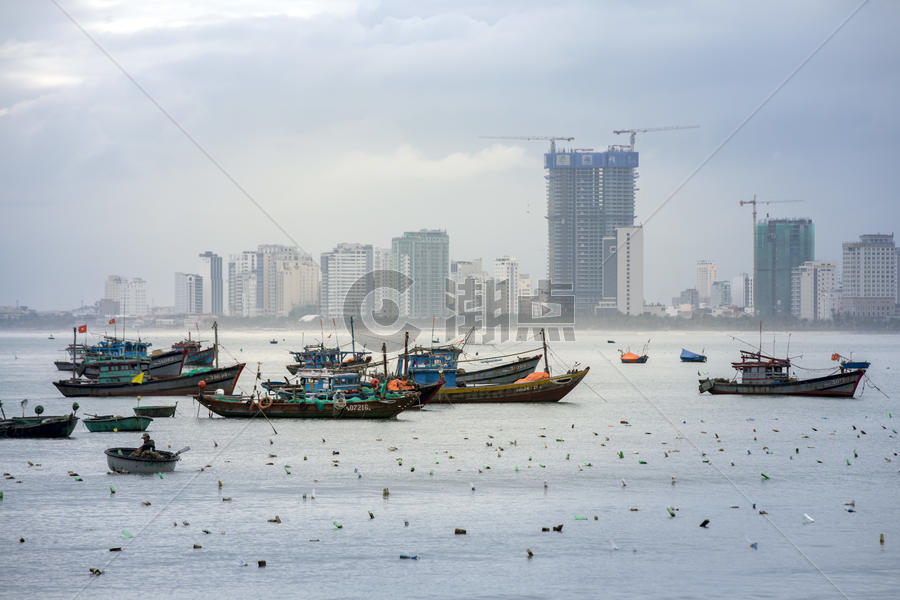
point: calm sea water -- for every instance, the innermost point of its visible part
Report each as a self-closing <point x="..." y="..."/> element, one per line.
<point x="500" y="472"/>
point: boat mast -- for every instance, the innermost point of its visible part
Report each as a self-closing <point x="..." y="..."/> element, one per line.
<point x="406" y="354"/>
<point x="384" y="359"/>
<point x="544" y="339"/>
<point x="352" y="338"/>
<point x="216" y="343"/>
<point x="74" y="350"/>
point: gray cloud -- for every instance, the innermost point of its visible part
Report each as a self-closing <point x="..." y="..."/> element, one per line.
<point x="357" y="122"/>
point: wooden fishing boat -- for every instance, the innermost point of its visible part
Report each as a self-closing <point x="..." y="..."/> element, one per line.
<point x="64" y="365"/>
<point x="183" y="385"/>
<point x="38" y="426"/>
<point x="770" y="376"/>
<point x="688" y="356"/>
<point x="160" y="410"/>
<point x="336" y="406"/>
<point x="121" y="461"/>
<point x="195" y="353"/>
<point x="549" y="389"/>
<point x="109" y="423"/>
<point x="507" y="372"/>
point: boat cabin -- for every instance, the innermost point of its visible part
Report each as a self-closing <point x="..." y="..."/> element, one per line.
<point x="757" y="368"/>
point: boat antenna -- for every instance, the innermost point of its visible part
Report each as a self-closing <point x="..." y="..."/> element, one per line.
<point x="74" y="351"/>
<point x="432" y="333"/>
<point x="788" y="354"/>
<point x="322" y="328"/>
<point x="544" y="340"/>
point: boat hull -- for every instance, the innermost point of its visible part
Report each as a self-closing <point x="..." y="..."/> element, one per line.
<point x="155" y="411"/>
<point x="696" y="359"/>
<point x="183" y="385"/>
<point x="508" y="372"/>
<point x="637" y="361"/>
<point x="839" y="385"/>
<point x="552" y="389"/>
<point x="64" y="365"/>
<point x="38" y="427"/>
<point x="243" y="408"/>
<point x="118" y="460"/>
<point x="112" y="424"/>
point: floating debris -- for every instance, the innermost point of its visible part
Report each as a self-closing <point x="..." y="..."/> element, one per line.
<point x="277" y="519"/>
<point x="197" y="546"/>
<point x="96" y="572"/>
<point x="261" y="564"/>
<point x="116" y="549"/>
<point x="529" y="552"/>
<point x="125" y="532"/>
<point x="808" y="518"/>
<point x="459" y="531"/>
<point x="671" y="511"/>
<point x="558" y="528"/>
<point x="409" y="556"/>
<point x="337" y="525"/>
<point x="371" y="516"/>
<point x="704" y="523"/>
<point x="764" y="476"/>
<point x="881" y="539"/>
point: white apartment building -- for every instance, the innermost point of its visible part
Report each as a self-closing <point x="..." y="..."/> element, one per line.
<point x="813" y="286"/>
<point x="869" y="285"/>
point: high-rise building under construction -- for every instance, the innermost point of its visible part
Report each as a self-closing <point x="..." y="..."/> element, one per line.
<point x="589" y="195"/>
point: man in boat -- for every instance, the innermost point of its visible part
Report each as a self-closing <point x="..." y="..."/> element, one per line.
<point x="147" y="450"/>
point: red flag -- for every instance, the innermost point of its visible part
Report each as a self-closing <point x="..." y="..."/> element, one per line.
<point x="112" y="321"/>
<point x="82" y="329"/>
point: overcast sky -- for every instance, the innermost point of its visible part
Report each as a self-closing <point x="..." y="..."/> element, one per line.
<point x="355" y="121"/>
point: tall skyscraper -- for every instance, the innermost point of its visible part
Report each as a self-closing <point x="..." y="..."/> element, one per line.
<point x="424" y="257"/>
<point x="296" y="283"/>
<point x="125" y="297"/>
<point x="213" y="295"/>
<point x="342" y="270"/>
<point x="870" y="276"/>
<point x="812" y="290"/>
<point x="781" y="245"/>
<point x="630" y="270"/>
<point x="589" y="196"/>
<point x="506" y="273"/>
<point x="706" y="274"/>
<point x="188" y="293"/>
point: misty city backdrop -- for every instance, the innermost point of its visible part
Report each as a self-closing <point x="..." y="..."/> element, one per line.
<point x="355" y="124"/>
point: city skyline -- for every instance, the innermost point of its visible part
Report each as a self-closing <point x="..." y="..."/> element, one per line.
<point x="410" y="157"/>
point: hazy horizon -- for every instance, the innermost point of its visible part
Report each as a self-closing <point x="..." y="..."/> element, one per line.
<point x="357" y="121"/>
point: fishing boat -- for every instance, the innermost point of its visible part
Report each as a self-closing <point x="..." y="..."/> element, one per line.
<point x="120" y="460"/>
<point x="109" y="423"/>
<point x="767" y="375"/>
<point x="632" y="358"/>
<point x="688" y="356"/>
<point x="38" y="426"/>
<point x="548" y="389"/>
<point x="157" y="411"/>
<point x="50" y="337"/>
<point x="426" y="368"/>
<point x="273" y="341"/>
<point x="315" y="406"/>
<point x="183" y="385"/>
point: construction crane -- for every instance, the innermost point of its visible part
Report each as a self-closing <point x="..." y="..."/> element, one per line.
<point x="553" y="139"/>
<point x="634" y="132"/>
<point x="754" y="202"/>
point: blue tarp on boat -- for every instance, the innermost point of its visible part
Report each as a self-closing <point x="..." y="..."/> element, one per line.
<point x="688" y="356"/>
